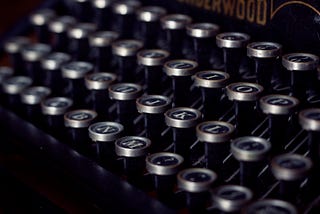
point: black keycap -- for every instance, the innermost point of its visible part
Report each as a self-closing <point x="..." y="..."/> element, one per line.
<point x="279" y="109"/>
<point x="102" y="13"/>
<point x="211" y="84"/>
<point x="233" y="45"/>
<point x="270" y="206"/>
<point x="98" y="84"/>
<point x="125" y="95"/>
<point x="40" y="20"/>
<point x="180" y="71"/>
<point x="196" y="183"/>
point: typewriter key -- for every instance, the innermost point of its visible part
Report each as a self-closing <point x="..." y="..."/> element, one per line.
<point x="149" y="24"/>
<point x="98" y="84"/>
<point x="231" y="198"/>
<point x="101" y="52"/>
<point x="164" y="166"/>
<point x="124" y="17"/>
<point x="290" y="170"/>
<point x="244" y="96"/>
<point x="183" y="121"/>
<point x="81" y="10"/>
<point x="270" y="206"/>
<point x="32" y="55"/>
<point x="134" y="150"/>
<point x="180" y="71"/>
<point x="5" y="72"/>
<point x="203" y="42"/>
<point x="51" y="65"/>
<point x="13" y="47"/>
<point x="152" y="60"/>
<point x="103" y="136"/>
<point x="250" y="152"/>
<point x="211" y="84"/>
<point x="196" y="183"/>
<point x="53" y="110"/>
<point x="126" y="57"/>
<point x="74" y="73"/>
<point x="31" y="98"/>
<point x="265" y="56"/>
<point x="303" y="70"/>
<point x="79" y="46"/>
<point x="125" y="95"/>
<point x="59" y="28"/>
<point x="174" y="26"/>
<point x="233" y="45"/>
<point x="153" y="108"/>
<point x="309" y="120"/>
<point x="279" y="109"/>
<point x="40" y="20"/>
<point x="102" y="13"/>
<point x="216" y="136"/>
<point x="77" y="123"/>
<point x="12" y="87"/>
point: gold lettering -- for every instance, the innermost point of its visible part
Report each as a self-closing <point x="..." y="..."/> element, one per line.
<point x="250" y="10"/>
<point x="216" y="6"/>
<point x="199" y="3"/>
<point x="241" y="9"/>
<point x="228" y="7"/>
<point x="206" y="5"/>
<point x="262" y="12"/>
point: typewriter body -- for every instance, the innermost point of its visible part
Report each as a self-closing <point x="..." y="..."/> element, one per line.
<point x="180" y="106"/>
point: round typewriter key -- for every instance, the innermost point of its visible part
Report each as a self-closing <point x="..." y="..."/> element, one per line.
<point x="203" y="42"/>
<point x="103" y="136"/>
<point x="81" y="9"/>
<point x="31" y="98"/>
<point x="40" y="20"/>
<point x="153" y="107"/>
<point x="180" y="71"/>
<point x="231" y="198"/>
<point x="216" y="136"/>
<point x="152" y="61"/>
<point x="244" y="96"/>
<point x="77" y="123"/>
<point x="74" y="73"/>
<point x="270" y="206"/>
<point x="32" y="55"/>
<point x="51" y="65"/>
<point x="174" y="26"/>
<point x="5" y="72"/>
<point x="102" y="13"/>
<point x="124" y="17"/>
<point x="125" y="95"/>
<point x="250" y="152"/>
<point x="290" y="170"/>
<point x="196" y="183"/>
<point x="303" y="70"/>
<point x="149" y="24"/>
<point x="265" y="56"/>
<point x="279" y="109"/>
<point x="182" y="121"/>
<point x="53" y="110"/>
<point x="233" y="45"/>
<point x="134" y="150"/>
<point x="125" y="52"/>
<point x="164" y="166"/>
<point x="211" y="84"/>
<point x="79" y="40"/>
<point x="309" y="120"/>
<point x="12" y="87"/>
<point x="59" y="28"/>
<point x="101" y="52"/>
<point x="98" y="84"/>
<point x="13" y="47"/>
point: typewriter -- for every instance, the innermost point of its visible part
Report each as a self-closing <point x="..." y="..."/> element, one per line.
<point x="181" y="106"/>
